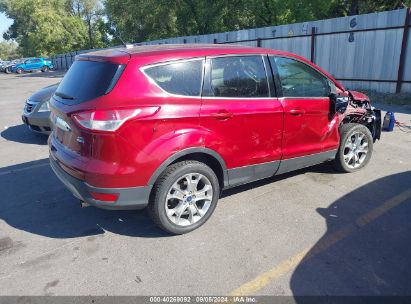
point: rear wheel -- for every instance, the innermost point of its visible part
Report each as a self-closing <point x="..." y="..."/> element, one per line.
<point x="184" y="197"/>
<point x="45" y="69"/>
<point x="7" y="70"/>
<point x="356" y="146"/>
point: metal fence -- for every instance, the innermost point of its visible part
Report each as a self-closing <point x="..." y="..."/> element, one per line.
<point x="368" y="51"/>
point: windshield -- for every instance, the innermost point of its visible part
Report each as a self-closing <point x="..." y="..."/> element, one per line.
<point x="87" y="80"/>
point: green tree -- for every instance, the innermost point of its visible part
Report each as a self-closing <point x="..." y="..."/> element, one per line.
<point x="91" y="12"/>
<point x="8" y="50"/>
<point x="355" y="7"/>
<point x="195" y="17"/>
<point x="139" y="20"/>
<point x="43" y="27"/>
<point x="277" y="12"/>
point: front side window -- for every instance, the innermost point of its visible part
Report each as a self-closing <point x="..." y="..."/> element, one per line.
<point x="300" y="80"/>
<point x="237" y="76"/>
<point x="180" y="78"/>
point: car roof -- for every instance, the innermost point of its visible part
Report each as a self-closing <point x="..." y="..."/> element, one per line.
<point x="169" y="52"/>
<point x="173" y="50"/>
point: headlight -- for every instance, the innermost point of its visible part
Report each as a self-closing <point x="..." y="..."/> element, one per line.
<point x="45" y="107"/>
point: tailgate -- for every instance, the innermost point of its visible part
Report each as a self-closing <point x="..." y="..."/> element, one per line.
<point x="69" y="135"/>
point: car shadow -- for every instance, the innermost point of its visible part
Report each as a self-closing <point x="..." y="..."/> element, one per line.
<point x="22" y="134"/>
<point x="366" y="249"/>
<point x="35" y="201"/>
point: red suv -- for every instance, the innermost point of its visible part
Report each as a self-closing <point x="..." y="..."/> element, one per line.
<point x="169" y="127"/>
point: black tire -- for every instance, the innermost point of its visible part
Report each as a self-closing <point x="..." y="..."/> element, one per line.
<point x="19" y="71"/>
<point x="156" y="207"/>
<point x="7" y="71"/>
<point x="347" y="131"/>
<point x="45" y="69"/>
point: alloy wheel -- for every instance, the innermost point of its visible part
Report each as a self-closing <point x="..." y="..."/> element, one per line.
<point x="355" y="150"/>
<point x="189" y="199"/>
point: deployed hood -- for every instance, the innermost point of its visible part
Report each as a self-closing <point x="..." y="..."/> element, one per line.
<point x="44" y="94"/>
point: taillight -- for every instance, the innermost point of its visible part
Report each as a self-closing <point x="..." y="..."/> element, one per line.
<point x="110" y="120"/>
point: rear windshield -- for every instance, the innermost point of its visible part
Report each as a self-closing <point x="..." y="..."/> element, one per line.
<point x="86" y="80"/>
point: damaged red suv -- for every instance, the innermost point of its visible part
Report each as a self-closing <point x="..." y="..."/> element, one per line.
<point x="169" y="127"/>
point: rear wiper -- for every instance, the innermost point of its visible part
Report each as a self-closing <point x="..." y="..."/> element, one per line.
<point x="64" y="96"/>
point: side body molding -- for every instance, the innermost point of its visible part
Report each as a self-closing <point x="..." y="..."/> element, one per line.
<point x="242" y="175"/>
<point x="296" y="163"/>
<point x="247" y="174"/>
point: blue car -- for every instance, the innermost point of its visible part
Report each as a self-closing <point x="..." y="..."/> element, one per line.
<point x="33" y="64"/>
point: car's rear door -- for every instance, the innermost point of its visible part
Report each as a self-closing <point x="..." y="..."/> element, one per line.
<point x="308" y="127"/>
<point x="243" y="120"/>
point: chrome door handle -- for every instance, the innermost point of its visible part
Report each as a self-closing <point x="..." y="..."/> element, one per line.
<point x="297" y="111"/>
<point x="222" y="115"/>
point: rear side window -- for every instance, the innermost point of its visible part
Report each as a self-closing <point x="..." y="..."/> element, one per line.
<point x="180" y="78"/>
<point x="300" y="80"/>
<point x="87" y="80"/>
<point x="237" y="76"/>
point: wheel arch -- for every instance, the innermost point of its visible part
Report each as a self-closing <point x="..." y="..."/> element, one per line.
<point x="205" y="155"/>
<point x="371" y="120"/>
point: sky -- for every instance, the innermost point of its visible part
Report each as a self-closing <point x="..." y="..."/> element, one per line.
<point x="4" y="24"/>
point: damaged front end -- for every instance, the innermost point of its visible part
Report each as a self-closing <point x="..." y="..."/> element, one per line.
<point x="355" y="107"/>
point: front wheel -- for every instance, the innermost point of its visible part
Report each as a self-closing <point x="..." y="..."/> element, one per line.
<point x="45" y="69"/>
<point x="184" y="197"/>
<point x="19" y="71"/>
<point x="356" y="146"/>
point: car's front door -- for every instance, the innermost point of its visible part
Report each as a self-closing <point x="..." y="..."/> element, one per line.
<point x="243" y="121"/>
<point x="28" y="64"/>
<point x="37" y="64"/>
<point x="309" y="131"/>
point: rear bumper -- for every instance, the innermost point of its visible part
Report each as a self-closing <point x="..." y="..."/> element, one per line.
<point x="129" y="198"/>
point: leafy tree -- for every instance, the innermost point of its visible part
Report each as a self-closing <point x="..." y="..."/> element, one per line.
<point x="208" y="16"/>
<point x="91" y="12"/>
<point x="8" y="50"/>
<point x="276" y="12"/>
<point x="355" y="7"/>
<point x="139" y="20"/>
<point x="42" y="27"/>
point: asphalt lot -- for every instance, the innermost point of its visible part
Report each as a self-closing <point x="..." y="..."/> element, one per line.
<point x="311" y="232"/>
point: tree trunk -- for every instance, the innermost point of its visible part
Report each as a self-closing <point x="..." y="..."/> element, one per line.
<point x="354" y="9"/>
<point x="90" y="33"/>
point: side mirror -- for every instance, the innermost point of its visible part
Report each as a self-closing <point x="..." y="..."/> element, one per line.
<point x="338" y="104"/>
